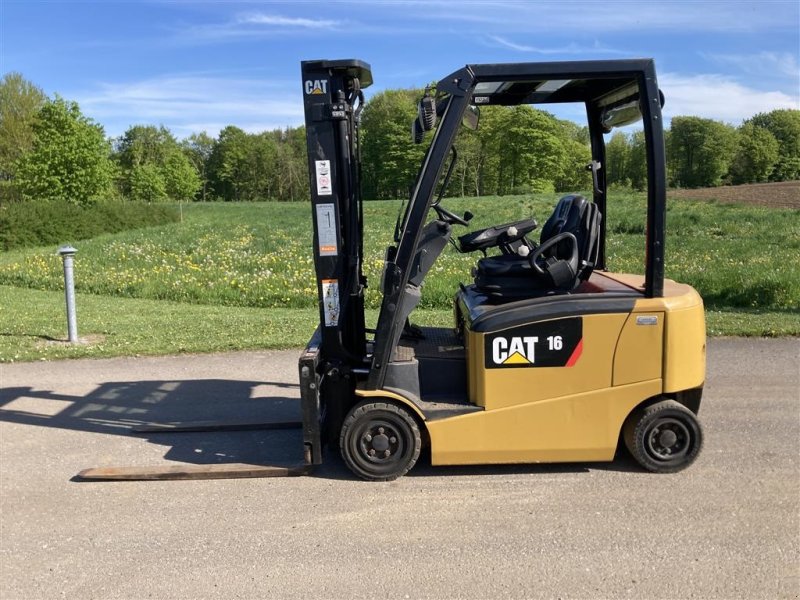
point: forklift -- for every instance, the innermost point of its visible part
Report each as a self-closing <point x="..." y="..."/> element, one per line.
<point x="552" y="357"/>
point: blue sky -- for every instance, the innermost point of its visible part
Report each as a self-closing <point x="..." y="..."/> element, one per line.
<point x="196" y="66"/>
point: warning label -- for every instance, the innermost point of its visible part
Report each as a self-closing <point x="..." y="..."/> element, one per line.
<point x="330" y="301"/>
<point x="323" y="168"/>
<point x="326" y="229"/>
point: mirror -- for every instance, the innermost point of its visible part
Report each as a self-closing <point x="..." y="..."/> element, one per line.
<point x="471" y="117"/>
<point x="626" y="113"/>
<point x="621" y="115"/>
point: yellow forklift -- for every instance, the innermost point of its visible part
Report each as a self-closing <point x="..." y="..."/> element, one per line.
<point x="552" y="357"/>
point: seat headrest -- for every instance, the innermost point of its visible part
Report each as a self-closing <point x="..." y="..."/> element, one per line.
<point x="566" y="216"/>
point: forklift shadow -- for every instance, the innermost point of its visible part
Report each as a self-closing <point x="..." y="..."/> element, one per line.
<point x="115" y="408"/>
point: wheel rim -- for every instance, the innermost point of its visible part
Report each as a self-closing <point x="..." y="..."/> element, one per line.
<point x="668" y="440"/>
<point x="380" y="444"/>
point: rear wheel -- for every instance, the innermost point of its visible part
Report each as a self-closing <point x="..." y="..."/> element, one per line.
<point x="665" y="437"/>
<point x="380" y="441"/>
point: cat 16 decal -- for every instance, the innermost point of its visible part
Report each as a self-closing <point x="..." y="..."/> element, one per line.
<point x="556" y="343"/>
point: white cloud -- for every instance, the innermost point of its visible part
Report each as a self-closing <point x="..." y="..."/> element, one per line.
<point x="589" y="16"/>
<point x="253" y="25"/>
<point x="571" y="48"/>
<point x="264" y="19"/>
<point x="187" y="104"/>
<point x="764" y="64"/>
<point x="718" y="97"/>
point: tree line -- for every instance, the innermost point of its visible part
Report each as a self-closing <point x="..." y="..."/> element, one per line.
<point x="709" y="153"/>
<point x="49" y="150"/>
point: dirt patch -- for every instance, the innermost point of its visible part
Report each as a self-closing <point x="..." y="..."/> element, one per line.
<point x="85" y="340"/>
<point x="785" y="194"/>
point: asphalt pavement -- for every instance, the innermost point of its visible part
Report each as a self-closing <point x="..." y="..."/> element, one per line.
<point x="727" y="527"/>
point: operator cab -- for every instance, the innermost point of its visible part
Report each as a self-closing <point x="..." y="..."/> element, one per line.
<point x="572" y="240"/>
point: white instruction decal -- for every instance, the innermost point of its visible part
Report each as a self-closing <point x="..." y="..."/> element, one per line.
<point x="330" y="301"/>
<point x="326" y="229"/>
<point x="323" y="177"/>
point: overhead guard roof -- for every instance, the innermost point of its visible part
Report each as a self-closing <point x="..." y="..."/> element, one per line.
<point x="604" y="82"/>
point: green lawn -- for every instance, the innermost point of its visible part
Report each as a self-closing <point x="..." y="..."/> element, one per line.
<point x="203" y="285"/>
<point x="33" y="326"/>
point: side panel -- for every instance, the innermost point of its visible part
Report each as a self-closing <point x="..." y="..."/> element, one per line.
<point x="685" y="349"/>
<point x="587" y="367"/>
<point x="684" y="364"/>
<point x="583" y="427"/>
<point x="684" y="360"/>
<point x="640" y="348"/>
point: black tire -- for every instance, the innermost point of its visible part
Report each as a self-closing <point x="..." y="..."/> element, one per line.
<point x="664" y="437"/>
<point x="380" y="441"/>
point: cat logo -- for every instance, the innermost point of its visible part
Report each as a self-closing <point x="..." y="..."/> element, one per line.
<point x="556" y="343"/>
<point x="516" y="351"/>
<point x="316" y="86"/>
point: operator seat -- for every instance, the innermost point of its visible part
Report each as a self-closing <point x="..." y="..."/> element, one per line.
<point x="566" y="255"/>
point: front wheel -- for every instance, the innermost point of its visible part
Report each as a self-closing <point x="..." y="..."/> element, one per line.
<point x="380" y="441"/>
<point x="665" y="437"/>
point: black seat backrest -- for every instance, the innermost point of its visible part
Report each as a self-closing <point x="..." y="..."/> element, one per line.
<point x="576" y="215"/>
<point x="566" y="217"/>
<point x="589" y="245"/>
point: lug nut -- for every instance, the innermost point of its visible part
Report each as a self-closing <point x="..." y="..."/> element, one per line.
<point x="368" y="438"/>
<point x="387" y="454"/>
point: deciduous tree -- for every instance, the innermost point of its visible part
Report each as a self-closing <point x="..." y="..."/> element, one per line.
<point x="198" y="148"/>
<point x="700" y="150"/>
<point x="784" y="124"/>
<point x="20" y="103"/>
<point x="153" y="167"/>
<point x="756" y="156"/>
<point x="69" y="160"/>
<point x="391" y="159"/>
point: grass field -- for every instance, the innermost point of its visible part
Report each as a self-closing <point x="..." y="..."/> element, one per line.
<point x="226" y="260"/>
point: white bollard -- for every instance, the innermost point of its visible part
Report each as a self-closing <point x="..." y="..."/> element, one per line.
<point x="67" y="252"/>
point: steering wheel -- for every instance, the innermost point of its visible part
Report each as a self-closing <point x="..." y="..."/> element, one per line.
<point x="571" y="260"/>
<point x="448" y="217"/>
